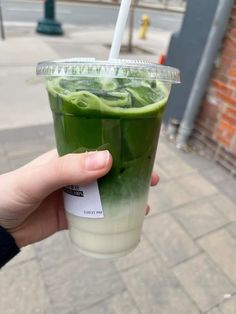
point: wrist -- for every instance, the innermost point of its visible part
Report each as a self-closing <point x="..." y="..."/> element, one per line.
<point x="8" y="247"/>
<point x="18" y="236"/>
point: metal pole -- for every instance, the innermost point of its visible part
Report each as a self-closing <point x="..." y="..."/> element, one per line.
<point x="131" y="25"/>
<point x="48" y="25"/>
<point x="1" y="23"/>
<point x="166" y="4"/>
<point x="215" y="36"/>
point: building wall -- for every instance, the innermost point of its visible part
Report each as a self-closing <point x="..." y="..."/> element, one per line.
<point x="216" y="123"/>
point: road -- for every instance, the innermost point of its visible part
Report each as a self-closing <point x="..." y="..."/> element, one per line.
<point x="85" y="15"/>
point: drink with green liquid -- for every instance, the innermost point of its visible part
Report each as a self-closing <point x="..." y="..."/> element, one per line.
<point x="117" y="106"/>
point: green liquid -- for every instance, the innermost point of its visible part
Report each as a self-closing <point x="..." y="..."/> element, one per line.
<point x="120" y="115"/>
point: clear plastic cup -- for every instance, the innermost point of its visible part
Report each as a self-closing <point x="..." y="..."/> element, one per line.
<point x="115" y="105"/>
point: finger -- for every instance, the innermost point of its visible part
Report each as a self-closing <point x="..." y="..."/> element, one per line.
<point x="154" y="179"/>
<point x="147" y="210"/>
<point x="42" y="159"/>
<point x="38" y="181"/>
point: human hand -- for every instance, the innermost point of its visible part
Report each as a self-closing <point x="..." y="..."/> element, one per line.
<point x="154" y="181"/>
<point x="31" y="204"/>
<point x="31" y="201"/>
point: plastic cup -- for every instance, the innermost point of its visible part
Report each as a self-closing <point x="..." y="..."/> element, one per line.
<point x="115" y="105"/>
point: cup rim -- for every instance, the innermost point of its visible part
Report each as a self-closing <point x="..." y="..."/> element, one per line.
<point x="114" y="68"/>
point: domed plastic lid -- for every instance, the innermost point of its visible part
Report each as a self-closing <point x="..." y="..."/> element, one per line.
<point x="117" y="68"/>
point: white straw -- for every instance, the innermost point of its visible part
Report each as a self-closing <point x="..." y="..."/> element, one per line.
<point x="120" y="27"/>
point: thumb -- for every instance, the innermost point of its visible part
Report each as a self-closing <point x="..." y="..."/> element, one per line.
<point x="38" y="181"/>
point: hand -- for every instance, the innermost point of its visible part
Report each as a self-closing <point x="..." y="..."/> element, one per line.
<point x="31" y="202"/>
<point x="154" y="181"/>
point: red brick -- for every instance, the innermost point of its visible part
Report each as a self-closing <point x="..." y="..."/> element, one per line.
<point x="232" y="22"/>
<point x="229" y="119"/>
<point x="229" y="61"/>
<point x="207" y="124"/>
<point x="226" y="99"/>
<point x="226" y="67"/>
<point x="233" y="145"/>
<point x="218" y="74"/>
<point x="208" y="109"/>
<point x="221" y="140"/>
<point x="232" y="83"/>
<point x="226" y="128"/>
<point x="229" y="52"/>
<point x="232" y="73"/>
<point x="232" y="32"/>
<point x="208" y="133"/>
<point x="230" y="42"/>
<point x="233" y="12"/>
<point x="223" y="88"/>
<point x="231" y="112"/>
<point x="219" y="117"/>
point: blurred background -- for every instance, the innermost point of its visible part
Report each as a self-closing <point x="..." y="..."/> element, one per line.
<point x="186" y="261"/>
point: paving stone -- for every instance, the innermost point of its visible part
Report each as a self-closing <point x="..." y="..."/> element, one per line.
<point x="19" y="149"/>
<point x="156" y="290"/>
<point x="45" y="130"/>
<point x="55" y="250"/>
<point x="169" y="239"/>
<point x="195" y="160"/>
<point x="229" y="188"/>
<point x="2" y="150"/>
<point x="203" y="281"/>
<point x="199" y="217"/>
<point x="81" y="282"/>
<point x="120" y="303"/>
<point x="29" y="103"/>
<point x="221" y="247"/>
<point x="228" y="307"/>
<point x="4" y="165"/>
<point x="22" y="290"/>
<point x="22" y="160"/>
<point x="175" y="167"/>
<point x="231" y="228"/>
<point x="224" y="205"/>
<point x="27" y="253"/>
<point x="214" y="311"/>
<point x="196" y="186"/>
<point x="216" y="174"/>
<point x="50" y="142"/>
<point x="141" y="254"/>
<point x="18" y="134"/>
<point x="161" y="172"/>
<point x="164" y="151"/>
<point x="167" y="195"/>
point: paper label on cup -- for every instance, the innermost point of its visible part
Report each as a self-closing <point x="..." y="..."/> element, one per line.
<point x="83" y="201"/>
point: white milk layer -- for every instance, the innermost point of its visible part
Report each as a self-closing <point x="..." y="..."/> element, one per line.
<point x="114" y="235"/>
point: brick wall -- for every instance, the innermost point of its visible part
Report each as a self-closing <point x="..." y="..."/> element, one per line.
<point x="216" y="122"/>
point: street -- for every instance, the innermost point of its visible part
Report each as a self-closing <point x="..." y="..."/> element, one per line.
<point x="26" y="13"/>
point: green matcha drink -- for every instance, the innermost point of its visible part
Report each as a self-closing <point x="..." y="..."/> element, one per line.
<point x="116" y="106"/>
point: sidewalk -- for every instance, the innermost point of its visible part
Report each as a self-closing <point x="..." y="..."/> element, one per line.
<point x="19" y="56"/>
<point x="169" y="5"/>
<point x="186" y="261"/>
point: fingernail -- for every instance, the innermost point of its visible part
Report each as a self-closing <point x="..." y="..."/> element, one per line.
<point x="96" y="160"/>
